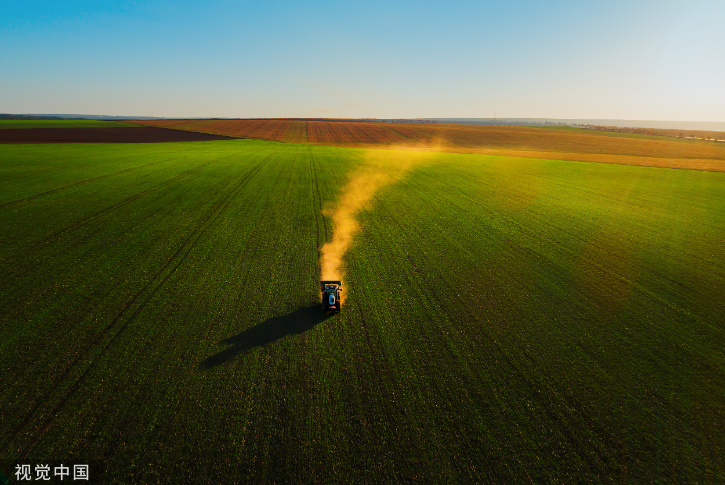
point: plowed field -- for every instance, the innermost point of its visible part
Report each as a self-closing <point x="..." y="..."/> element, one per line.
<point x="25" y="124"/>
<point x="506" y="320"/>
<point x="276" y="130"/>
<point x="131" y="134"/>
<point x="555" y="144"/>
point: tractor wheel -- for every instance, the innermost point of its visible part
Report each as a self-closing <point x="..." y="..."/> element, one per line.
<point x="338" y="305"/>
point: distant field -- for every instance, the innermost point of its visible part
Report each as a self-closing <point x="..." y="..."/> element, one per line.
<point x="571" y="144"/>
<point x="506" y="320"/>
<point x="103" y="134"/>
<point x="7" y="124"/>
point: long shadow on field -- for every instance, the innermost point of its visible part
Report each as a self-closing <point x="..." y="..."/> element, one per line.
<point x="270" y="330"/>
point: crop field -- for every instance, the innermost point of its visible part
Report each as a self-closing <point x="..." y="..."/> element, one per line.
<point x="514" y="141"/>
<point x="510" y="320"/>
<point x="277" y="130"/>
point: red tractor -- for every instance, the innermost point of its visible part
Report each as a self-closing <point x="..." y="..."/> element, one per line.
<point x="331" y="295"/>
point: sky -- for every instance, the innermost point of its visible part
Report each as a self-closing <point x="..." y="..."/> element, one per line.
<point x="636" y="59"/>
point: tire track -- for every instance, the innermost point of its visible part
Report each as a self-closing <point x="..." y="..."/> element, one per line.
<point x="205" y="223"/>
<point x="380" y="376"/>
<point x="248" y="252"/>
<point x="314" y="205"/>
<point x="29" y="252"/>
<point x="556" y="414"/>
<point x="86" y="181"/>
<point x="246" y="255"/>
<point x="319" y="198"/>
<point x="10" y="309"/>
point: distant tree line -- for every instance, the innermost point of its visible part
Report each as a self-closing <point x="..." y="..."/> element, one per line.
<point x="5" y="116"/>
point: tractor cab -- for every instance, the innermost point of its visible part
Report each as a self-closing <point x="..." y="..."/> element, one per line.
<point x="331" y="295"/>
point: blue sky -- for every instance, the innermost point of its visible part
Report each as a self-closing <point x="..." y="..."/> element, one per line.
<point x="659" y="60"/>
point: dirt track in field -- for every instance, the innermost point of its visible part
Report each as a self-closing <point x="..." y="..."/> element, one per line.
<point x="141" y="134"/>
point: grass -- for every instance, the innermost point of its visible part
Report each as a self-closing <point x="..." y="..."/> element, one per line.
<point x="506" y="319"/>
<point x="7" y="124"/>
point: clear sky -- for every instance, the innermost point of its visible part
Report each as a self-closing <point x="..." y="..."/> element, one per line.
<point x="636" y="59"/>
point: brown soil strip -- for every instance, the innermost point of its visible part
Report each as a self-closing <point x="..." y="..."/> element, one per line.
<point x="141" y="134"/>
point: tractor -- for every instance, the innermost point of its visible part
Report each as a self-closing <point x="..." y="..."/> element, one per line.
<point x="331" y="295"/>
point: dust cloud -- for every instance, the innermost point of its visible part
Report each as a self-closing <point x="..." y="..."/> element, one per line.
<point x="380" y="168"/>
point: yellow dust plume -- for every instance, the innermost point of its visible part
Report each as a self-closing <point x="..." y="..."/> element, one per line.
<point x="380" y="168"/>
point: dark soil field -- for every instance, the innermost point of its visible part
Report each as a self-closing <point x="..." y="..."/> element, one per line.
<point x="132" y="134"/>
<point x="20" y="124"/>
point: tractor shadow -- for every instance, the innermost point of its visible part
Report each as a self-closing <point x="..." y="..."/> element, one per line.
<point x="267" y="332"/>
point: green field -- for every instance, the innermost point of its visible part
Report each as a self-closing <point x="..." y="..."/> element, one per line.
<point x="506" y="320"/>
<point x="4" y="124"/>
